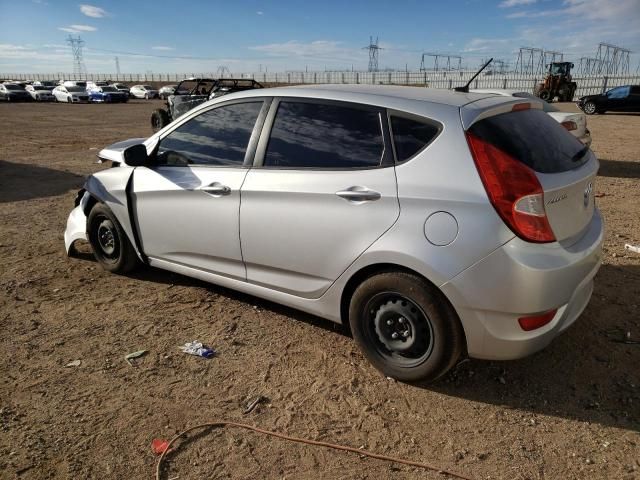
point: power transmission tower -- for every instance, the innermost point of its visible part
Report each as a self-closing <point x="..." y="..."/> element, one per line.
<point x="222" y="71"/>
<point x="551" y="56"/>
<point x="76" y="48"/>
<point x="530" y="61"/>
<point x="373" y="54"/>
<point x="117" y="65"/>
<point x="448" y="66"/>
<point x="612" y="59"/>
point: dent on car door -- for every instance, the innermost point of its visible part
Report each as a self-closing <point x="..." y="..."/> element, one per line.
<point x="187" y="204"/>
<point x="326" y="191"/>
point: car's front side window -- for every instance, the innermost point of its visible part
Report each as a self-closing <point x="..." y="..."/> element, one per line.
<point x="217" y="137"/>
<point x="618" y="92"/>
<point x="330" y="136"/>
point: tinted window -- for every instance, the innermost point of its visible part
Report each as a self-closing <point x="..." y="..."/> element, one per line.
<point x="216" y="137"/>
<point x="619" y="92"/>
<point x="411" y="136"/>
<point x="324" y="136"/>
<point x="534" y="138"/>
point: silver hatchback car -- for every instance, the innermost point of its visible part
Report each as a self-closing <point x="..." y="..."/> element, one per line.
<point x="436" y="224"/>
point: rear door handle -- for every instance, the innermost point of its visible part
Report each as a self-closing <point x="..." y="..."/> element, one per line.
<point x="216" y="188"/>
<point x="359" y="194"/>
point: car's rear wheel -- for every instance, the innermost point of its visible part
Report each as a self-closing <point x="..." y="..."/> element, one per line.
<point x="159" y="119"/>
<point x="110" y="244"/>
<point x="405" y="327"/>
<point x="589" y="108"/>
<point x="69" y="100"/>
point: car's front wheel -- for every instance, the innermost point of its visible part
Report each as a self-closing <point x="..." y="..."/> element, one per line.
<point x="159" y="119"/>
<point x="405" y="327"/>
<point x="111" y="247"/>
<point x="589" y="108"/>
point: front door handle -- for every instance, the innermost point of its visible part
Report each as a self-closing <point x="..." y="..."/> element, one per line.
<point x="216" y="188"/>
<point x="359" y="194"/>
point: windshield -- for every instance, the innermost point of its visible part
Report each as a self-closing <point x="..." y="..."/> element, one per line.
<point x="14" y="87"/>
<point x="147" y="87"/>
<point x="109" y="89"/>
<point x="47" y="84"/>
<point x="75" y="89"/>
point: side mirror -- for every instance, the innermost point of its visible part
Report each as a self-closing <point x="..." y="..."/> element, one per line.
<point x="136" y="156"/>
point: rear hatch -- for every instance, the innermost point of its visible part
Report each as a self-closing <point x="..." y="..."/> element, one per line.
<point x="579" y="119"/>
<point x="563" y="166"/>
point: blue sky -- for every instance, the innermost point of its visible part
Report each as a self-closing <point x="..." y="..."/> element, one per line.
<point x="150" y="36"/>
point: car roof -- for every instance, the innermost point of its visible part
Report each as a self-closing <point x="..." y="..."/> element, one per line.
<point x="373" y="94"/>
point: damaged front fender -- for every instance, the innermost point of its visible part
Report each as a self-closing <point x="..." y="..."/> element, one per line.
<point x="109" y="187"/>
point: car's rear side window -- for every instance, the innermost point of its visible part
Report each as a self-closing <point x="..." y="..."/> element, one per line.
<point x="410" y="136"/>
<point x="533" y="138"/>
<point x="319" y="135"/>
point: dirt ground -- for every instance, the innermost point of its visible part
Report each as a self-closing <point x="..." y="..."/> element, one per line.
<point x="571" y="411"/>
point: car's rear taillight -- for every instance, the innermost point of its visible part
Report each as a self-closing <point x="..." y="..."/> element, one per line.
<point x="514" y="191"/>
<point x="570" y="125"/>
<point x="536" y="321"/>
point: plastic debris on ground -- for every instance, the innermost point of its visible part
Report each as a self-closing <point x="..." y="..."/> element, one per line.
<point x="159" y="445"/>
<point x="198" y="349"/>
<point x="134" y="355"/>
<point x="632" y="248"/>
<point x="74" y="363"/>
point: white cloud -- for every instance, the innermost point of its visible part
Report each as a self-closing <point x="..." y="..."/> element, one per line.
<point x="319" y="49"/>
<point x="78" y="28"/>
<point x="163" y="48"/>
<point x="93" y="11"/>
<point x="515" y="3"/>
<point x="259" y="12"/>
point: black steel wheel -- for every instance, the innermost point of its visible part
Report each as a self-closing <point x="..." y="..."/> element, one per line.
<point x="110" y="244"/>
<point x="405" y="327"/>
<point x="545" y="94"/>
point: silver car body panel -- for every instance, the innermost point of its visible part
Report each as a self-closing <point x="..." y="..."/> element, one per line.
<point x="304" y="258"/>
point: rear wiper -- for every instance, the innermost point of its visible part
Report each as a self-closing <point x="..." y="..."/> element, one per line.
<point x="581" y="153"/>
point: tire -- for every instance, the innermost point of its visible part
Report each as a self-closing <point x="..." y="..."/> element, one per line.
<point x="110" y="245"/>
<point x="69" y="100"/>
<point x="159" y="119"/>
<point x="589" y="108"/>
<point x="146" y="96"/>
<point x="545" y="94"/>
<point x="405" y="327"/>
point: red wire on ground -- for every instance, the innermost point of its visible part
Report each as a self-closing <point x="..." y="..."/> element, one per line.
<point x="282" y="436"/>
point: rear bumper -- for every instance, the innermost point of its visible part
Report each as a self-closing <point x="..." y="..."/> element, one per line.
<point x="521" y="279"/>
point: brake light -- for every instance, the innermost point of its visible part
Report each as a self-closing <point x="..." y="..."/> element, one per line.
<point x="536" y="321"/>
<point x="520" y="106"/>
<point x="514" y="191"/>
<point x="570" y="125"/>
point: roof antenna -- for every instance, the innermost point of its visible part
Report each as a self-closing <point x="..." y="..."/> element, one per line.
<point x="465" y="89"/>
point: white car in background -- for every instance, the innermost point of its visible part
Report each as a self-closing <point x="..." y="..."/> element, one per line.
<point x="143" y="91"/>
<point x="40" y="93"/>
<point x="575" y="123"/>
<point x="71" y="94"/>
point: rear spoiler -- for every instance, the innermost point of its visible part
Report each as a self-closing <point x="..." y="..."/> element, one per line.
<point x="493" y="105"/>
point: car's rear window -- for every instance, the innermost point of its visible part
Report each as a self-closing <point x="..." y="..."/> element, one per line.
<point x="534" y="138"/>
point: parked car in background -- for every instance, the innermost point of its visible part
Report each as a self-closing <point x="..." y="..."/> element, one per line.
<point x="107" y="94"/>
<point x="166" y="90"/>
<point x="121" y="87"/>
<point x="45" y="83"/>
<point x="143" y="91"/>
<point x="434" y="223"/>
<point x="191" y="92"/>
<point x="575" y="123"/>
<point x="619" y="99"/>
<point x="12" y="92"/>
<point x="91" y="85"/>
<point x="70" y="94"/>
<point x="40" y="93"/>
<point x="75" y="83"/>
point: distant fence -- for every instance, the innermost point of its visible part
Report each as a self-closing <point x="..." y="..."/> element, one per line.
<point x="587" y="85"/>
